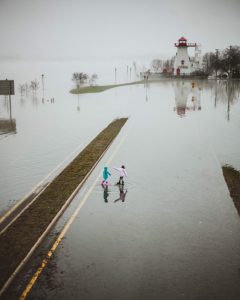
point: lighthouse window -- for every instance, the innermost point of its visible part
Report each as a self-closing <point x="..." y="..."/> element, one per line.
<point x="182" y="62"/>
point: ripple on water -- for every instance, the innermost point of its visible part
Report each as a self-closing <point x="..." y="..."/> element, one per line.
<point x="114" y="188"/>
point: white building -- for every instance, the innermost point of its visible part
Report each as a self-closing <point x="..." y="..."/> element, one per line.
<point x="183" y="64"/>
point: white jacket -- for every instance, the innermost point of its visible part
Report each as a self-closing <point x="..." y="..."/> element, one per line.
<point x="122" y="172"/>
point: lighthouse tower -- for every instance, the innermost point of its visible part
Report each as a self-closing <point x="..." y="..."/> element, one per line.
<point x="182" y="63"/>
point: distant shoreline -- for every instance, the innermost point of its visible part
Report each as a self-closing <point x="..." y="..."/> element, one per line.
<point x="100" y="88"/>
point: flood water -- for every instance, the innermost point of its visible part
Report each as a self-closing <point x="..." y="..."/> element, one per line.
<point x="37" y="137"/>
<point x="175" y="234"/>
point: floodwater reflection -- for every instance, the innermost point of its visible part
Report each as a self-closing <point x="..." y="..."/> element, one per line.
<point x="187" y="97"/>
<point x="35" y="100"/>
<point x="78" y="104"/>
<point x="228" y="92"/>
<point x="105" y="194"/>
<point x="8" y="125"/>
<point x="188" y="94"/>
<point x="122" y="194"/>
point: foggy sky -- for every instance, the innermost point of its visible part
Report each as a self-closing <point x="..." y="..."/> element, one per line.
<point x="110" y="28"/>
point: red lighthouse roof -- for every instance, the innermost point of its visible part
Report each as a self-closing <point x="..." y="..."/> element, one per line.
<point x="182" y="39"/>
<point x="182" y="42"/>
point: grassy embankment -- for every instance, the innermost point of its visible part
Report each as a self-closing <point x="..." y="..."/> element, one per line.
<point x="232" y="178"/>
<point x="19" y="238"/>
<point x="100" y="88"/>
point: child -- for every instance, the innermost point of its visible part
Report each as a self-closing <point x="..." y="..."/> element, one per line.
<point x="106" y="173"/>
<point x="122" y="173"/>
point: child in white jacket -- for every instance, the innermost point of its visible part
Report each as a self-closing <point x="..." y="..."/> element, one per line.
<point x="122" y="173"/>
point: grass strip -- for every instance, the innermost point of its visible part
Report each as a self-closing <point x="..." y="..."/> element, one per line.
<point x="100" y="88"/>
<point x="232" y="178"/>
<point x="19" y="238"/>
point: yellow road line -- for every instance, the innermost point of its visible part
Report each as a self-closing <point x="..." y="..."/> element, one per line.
<point x="64" y="231"/>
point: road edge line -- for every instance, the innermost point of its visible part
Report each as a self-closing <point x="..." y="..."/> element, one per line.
<point x="50" y="226"/>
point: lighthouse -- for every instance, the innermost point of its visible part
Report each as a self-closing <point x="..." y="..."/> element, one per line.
<point x="182" y="63"/>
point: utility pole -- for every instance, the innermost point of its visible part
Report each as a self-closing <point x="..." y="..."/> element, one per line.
<point x="229" y="62"/>
<point x="10" y="106"/>
<point x="228" y="98"/>
<point x="215" y="102"/>
<point x="216" y="61"/>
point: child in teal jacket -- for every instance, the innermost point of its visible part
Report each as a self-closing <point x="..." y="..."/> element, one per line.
<point x="106" y="174"/>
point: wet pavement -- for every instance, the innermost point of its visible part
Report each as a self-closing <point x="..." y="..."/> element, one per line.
<point x="175" y="233"/>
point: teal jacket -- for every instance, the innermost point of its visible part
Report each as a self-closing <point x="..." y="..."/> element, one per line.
<point x="106" y="173"/>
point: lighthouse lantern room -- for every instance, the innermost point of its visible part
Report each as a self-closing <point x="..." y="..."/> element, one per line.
<point x="182" y="62"/>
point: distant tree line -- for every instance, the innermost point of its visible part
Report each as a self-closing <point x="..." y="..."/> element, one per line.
<point x="83" y="78"/>
<point x="225" y="61"/>
<point x="222" y="62"/>
<point x="161" y="65"/>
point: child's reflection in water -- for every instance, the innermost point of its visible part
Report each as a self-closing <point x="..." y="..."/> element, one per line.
<point x="122" y="194"/>
<point x="105" y="194"/>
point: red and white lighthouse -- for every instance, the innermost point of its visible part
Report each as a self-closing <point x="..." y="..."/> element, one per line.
<point x="182" y="63"/>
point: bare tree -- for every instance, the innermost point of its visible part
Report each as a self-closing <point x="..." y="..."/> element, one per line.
<point x="168" y="65"/>
<point x="26" y="87"/>
<point x="93" y="79"/>
<point x="231" y="61"/>
<point x="76" y="79"/>
<point x="83" y="77"/>
<point x="79" y="78"/>
<point x="135" y="67"/>
<point x="209" y="59"/>
<point x="227" y="61"/>
<point x="34" y="85"/>
<point x="156" y="65"/>
<point x="21" y="88"/>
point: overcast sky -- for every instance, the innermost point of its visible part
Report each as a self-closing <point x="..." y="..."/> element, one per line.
<point x="110" y="28"/>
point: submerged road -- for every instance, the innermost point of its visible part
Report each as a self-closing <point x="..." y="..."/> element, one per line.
<point x="175" y="235"/>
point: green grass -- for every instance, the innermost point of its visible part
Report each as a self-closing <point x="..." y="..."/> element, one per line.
<point x="232" y="178"/>
<point x="100" y="88"/>
<point x="19" y="238"/>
